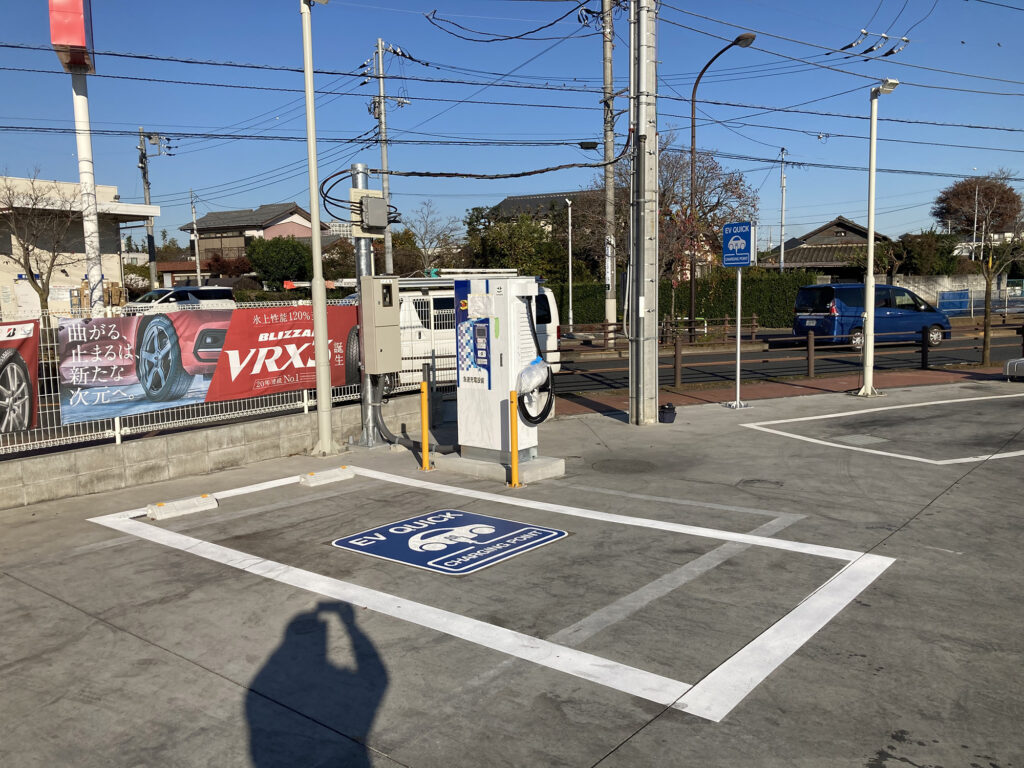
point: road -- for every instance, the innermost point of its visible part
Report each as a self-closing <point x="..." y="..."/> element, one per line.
<point x="782" y="359"/>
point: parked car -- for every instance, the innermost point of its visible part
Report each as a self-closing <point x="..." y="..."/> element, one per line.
<point x="181" y="297"/>
<point x="836" y="312"/>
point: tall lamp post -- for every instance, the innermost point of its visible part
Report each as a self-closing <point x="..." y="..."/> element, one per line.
<point x="321" y="352"/>
<point x="888" y="85"/>
<point x="568" y="202"/>
<point x="743" y="41"/>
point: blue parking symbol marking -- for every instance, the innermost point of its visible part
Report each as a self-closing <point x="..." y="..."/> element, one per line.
<point x="450" y="541"/>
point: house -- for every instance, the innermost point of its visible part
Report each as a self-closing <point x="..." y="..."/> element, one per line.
<point x="541" y="206"/>
<point x="226" y="233"/>
<point x="837" y="249"/>
<point x="58" y="206"/>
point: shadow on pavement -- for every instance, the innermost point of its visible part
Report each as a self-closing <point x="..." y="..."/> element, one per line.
<point x="302" y="709"/>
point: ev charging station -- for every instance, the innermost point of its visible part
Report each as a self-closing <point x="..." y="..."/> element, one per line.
<point x="498" y="352"/>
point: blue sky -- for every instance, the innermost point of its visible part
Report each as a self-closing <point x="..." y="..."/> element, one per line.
<point x="957" y="49"/>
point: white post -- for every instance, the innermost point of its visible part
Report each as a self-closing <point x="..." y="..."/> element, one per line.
<point x="87" y="181"/>
<point x="569" y="202"/>
<point x="868" y="387"/>
<point x="739" y="329"/>
<point x="325" y="443"/>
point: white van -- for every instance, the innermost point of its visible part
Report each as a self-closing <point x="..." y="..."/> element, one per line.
<point x="427" y="319"/>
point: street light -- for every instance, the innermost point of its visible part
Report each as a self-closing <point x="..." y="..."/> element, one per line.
<point x="321" y="352"/>
<point x="568" y="202"/>
<point x="743" y="41"/>
<point x="888" y="85"/>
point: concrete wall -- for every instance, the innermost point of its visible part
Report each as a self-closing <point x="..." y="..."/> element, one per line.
<point x="929" y="286"/>
<point x="198" y="452"/>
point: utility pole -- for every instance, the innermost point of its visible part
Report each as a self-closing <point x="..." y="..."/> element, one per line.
<point x="364" y="266"/>
<point x="974" y="235"/>
<point x="643" y="336"/>
<point x="608" y="37"/>
<point x="195" y="237"/>
<point x="782" y="223"/>
<point x="380" y="108"/>
<point x="144" y="167"/>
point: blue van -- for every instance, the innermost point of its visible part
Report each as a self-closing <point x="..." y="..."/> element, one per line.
<point x="837" y="310"/>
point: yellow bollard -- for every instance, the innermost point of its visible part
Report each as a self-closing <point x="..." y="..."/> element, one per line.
<point x="424" y="428"/>
<point x="513" y="439"/>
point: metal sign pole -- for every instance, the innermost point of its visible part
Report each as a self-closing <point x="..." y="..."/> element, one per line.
<point x="739" y="333"/>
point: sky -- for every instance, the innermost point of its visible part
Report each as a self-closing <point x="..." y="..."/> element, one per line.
<point x="513" y="105"/>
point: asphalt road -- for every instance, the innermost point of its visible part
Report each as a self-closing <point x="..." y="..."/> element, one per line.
<point x="782" y="359"/>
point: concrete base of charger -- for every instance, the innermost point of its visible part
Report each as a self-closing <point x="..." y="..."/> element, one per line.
<point x="540" y="468"/>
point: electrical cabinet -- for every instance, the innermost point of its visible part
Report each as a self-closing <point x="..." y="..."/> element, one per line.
<point x="380" y="342"/>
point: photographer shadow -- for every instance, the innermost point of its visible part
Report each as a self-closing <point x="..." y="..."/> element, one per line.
<point x="303" y="709"/>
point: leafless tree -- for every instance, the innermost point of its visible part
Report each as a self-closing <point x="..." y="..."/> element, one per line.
<point x="997" y="261"/>
<point x="38" y="216"/>
<point x="436" y="238"/>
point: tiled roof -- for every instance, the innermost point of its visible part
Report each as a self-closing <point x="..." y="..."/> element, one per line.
<point x="517" y="204"/>
<point x="262" y="216"/>
<point x="817" y="255"/>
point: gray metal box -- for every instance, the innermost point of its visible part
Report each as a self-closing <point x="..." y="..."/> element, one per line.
<point x="380" y="347"/>
<point x="374" y="213"/>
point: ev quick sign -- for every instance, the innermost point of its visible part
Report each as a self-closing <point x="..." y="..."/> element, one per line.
<point x="736" y="244"/>
<point x="450" y="541"/>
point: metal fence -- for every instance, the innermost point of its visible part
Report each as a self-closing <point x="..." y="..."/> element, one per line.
<point x="428" y="336"/>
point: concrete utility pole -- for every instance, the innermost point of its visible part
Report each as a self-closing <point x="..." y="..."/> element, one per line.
<point x="325" y="440"/>
<point x="195" y="236"/>
<point x="643" y="336"/>
<point x="364" y="266"/>
<point x="150" y="242"/>
<point x="87" y="180"/>
<point x="608" y="36"/>
<point x="782" y="222"/>
<point x="381" y="114"/>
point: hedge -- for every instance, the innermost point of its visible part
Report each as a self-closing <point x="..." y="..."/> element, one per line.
<point x="769" y="295"/>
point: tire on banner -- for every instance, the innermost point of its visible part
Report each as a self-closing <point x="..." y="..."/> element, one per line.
<point x="158" y="361"/>
<point x="352" y="357"/>
<point x="15" y="392"/>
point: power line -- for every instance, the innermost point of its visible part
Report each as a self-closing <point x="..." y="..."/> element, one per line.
<point x="837" y="50"/>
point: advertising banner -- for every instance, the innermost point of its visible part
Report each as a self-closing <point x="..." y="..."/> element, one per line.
<point x="126" y="365"/>
<point x="19" y="368"/>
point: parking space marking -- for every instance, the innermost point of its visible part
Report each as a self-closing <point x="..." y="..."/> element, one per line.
<point x="610" y="517"/>
<point x="611" y="674"/>
<point x="763" y="426"/>
<point x="728" y="684"/>
<point x="712" y="698"/>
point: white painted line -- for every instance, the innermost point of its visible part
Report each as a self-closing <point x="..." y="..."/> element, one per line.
<point x="608" y="517"/>
<point x="726" y="686"/>
<point x="620" y="677"/>
<point x="763" y="427"/>
<point x="627" y="605"/>
<point x="255" y="487"/>
<point x="830" y="444"/>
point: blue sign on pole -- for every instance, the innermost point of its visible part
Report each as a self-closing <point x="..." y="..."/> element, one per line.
<point x="737" y="244"/>
<point x="450" y="541"/>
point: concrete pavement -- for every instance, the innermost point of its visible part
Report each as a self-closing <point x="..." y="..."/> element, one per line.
<point x="827" y="593"/>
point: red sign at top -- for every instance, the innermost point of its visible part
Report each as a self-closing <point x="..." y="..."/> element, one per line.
<point x="71" y="34"/>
